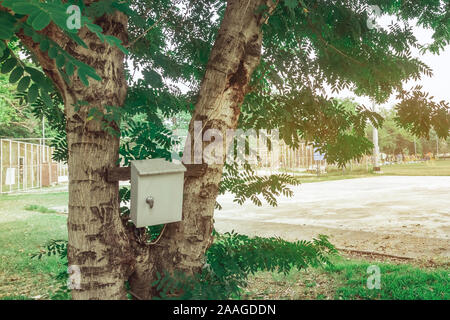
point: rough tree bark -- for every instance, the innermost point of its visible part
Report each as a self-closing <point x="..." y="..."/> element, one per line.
<point x="233" y="58"/>
<point x="98" y="241"/>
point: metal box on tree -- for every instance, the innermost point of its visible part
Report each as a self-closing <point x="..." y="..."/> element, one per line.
<point x="156" y="192"/>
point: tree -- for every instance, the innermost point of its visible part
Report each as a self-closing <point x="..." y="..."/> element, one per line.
<point x="394" y="139"/>
<point x="259" y="64"/>
<point x="16" y="119"/>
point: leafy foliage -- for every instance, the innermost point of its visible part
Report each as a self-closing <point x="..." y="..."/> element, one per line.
<point x="312" y="46"/>
<point x="59" y="143"/>
<point x="142" y="140"/>
<point x="419" y="115"/>
<point x="31" y="17"/>
<point x="16" y="119"/>
<point x="233" y="257"/>
<point x="309" y="47"/>
<point x="56" y="121"/>
<point x="245" y="184"/>
<point x="57" y="248"/>
<point x="53" y="247"/>
<point x="394" y="140"/>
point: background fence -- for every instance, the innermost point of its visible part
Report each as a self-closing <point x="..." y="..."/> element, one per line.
<point x="25" y="165"/>
<point x="298" y="159"/>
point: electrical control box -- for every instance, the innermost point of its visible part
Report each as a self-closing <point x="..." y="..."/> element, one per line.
<point x="156" y="192"/>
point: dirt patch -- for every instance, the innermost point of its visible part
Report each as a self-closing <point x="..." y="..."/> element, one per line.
<point x="401" y="245"/>
<point x="27" y="285"/>
<point x="302" y="285"/>
<point x="402" y="216"/>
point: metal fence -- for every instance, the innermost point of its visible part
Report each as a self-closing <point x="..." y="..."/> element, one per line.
<point x="25" y="165"/>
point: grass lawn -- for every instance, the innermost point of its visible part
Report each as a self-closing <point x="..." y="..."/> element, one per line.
<point x="426" y="168"/>
<point x="347" y="279"/>
<point x="24" y="232"/>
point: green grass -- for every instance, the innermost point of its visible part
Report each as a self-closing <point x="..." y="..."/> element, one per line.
<point x="22" y="234"/>
<point x="347" y="280"/>
<point x="398" y="282"/>
<point x="426" y="168"/>
<point x="41" y="209"/>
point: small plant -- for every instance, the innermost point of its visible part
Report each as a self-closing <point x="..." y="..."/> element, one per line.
<point x="57" y="247"/>
<point x="233" y="257"/>
<point x="41" y="209"/>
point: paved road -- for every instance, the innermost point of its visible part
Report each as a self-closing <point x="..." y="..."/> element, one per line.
<point x="392" y="214"/>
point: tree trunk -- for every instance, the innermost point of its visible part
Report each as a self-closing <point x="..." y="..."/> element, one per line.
<point x="233" y="58"/>
<point x="98" y="242"/>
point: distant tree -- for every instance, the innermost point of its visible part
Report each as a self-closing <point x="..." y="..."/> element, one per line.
<point x="15" y="119"/>
<point x="393" y="139"/>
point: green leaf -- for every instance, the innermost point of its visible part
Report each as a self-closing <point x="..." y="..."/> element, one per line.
<point x="113" y="41"/>
<point x="36" y="37"/>
<point x="5" y="55"/>
<point x="24" y="83"/>
<point x="45" y="45"/>
<point x="77" y="39"/>
<point x="60" y="61"/>
<point x="94" y="75"/>
<point x="2" y="47"/>
<point x="61" y="21"/>
<point x="47" y="85"/>
<point x="94" y="28"/>
<point x="10" y="3"/>
<point x="70" y="68"/>
<point x="7" y="22"/>
<point x="28" y="31"/>
<point x="31" y="18"/>
<point x="16" y="74"/>
<point x="5" y="33"/>
<point x="53" y="52"/>
<point x="25" y="8"/>
<point x="33" y="93"/>
<point x="153" y="78"/>
<point x="37" y="76"/>
<point x="64" y="75"/>
<point x="41" y="21"/>
<point x="8" y="65"/>
<point x="83" y="77"/>
<point x="291" y="4"/>
<point x="85" y="71"/>
<point x="46" y="98"/>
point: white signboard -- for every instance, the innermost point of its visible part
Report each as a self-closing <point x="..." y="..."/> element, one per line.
<point x="10" y="176"/>
<point x="318" y="156"/>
